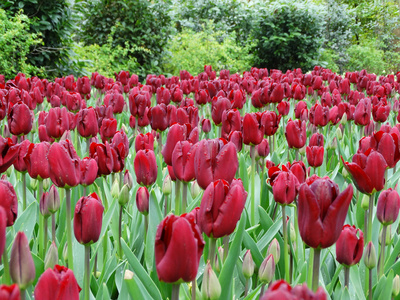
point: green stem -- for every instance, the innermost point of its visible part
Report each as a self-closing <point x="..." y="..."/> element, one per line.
<point x="262" y="290"/>
<point x="121" y="208"/>
<point x="87" y="272"/>
<point x="246" y="287"/>
<point x="53" y="227"/>
<point x="69" y="229"/>
<point x="23" y="294"/>
<point x="6" y="273"/>
<point x="285" y="245"/>
<point x="166" y="210"/>
<point x="177" y="197"/>
<point x="382" y="258"/>
<point x="175" y="291"/>
<point x="253" y="171"/>
<point x="226" y="246"/>
<point x="184" y="197"/>
<point x="369" y="224"/>
<point x="41" y="224"/>
<point x="315" y="279"/>
<point x="211" y="250"/>
<point x="346" y="276"/>
<point x="45" y="230"/>
<point x="370" y="284"/>
<point x="194" y="286"/>
<point x="24" y="191"/>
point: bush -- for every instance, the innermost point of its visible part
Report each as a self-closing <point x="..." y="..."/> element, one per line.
<point x="191" y="50"/>
<point x="15" y="42"/>
<point x="366" y="56"/>
<point x="289" y="35"/>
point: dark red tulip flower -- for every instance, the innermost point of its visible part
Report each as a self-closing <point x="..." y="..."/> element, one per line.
<point x="10" y="292"/>
<point x="64" y="164"/>
<point x="231" y="121"/>
<point x="120" y="137"/>
<point x="367" y="171"/>
<point x="3" y="225"/>
<point x="178" y="248"/>
<point x="72" y="100"/>
<point x="299" y="170"/>
<point x="319" y="115"/>
<point x="202" y="97"/>
<point x="145" y="167"/>
<point x="8" y="153"/>
<point x="381" y="111"/>
<point x="144" y="141"/>
<point x="19" y="119"/>
<point x="253" y="129"/>
<point x="89" y="171"/>
<point x="238" y="98"/>
<point x="277" y="93"/>
<point x="103" y="155"/>
<point x="43" y="137"/>
<point x="9" y="201"/>
<point x="142" y="200"/>
<point x="221" y="207"/>
<point x="270" y="120"/>
<point x="57" y="122"/>
<point x="36" y="160"/>
<point x="87" y="125"/>
<point x="349" y="246"/>
<point x="206" y="125"/>
<point x="262" y="149"/>
<point x="176" y="133"/>
<point x="219" y="105"/>
<point x="280" y="289"/>
<point x="362" y="114"/>
<point x="83" y="85"/>
<point x="163" y="95"/>
<point x="176" y="94"/>
<point x="236" y="138"/>
<point x="183" y="160"/>
<point x="115" y="100"/>
<point x="158" y="117"/>
<point x="322" y="211"/>
<point x="295" y="133"/>
<point x="283" y="108"/>
<point x="388" y="206"/>
<point x="19" y="163"/>
<point x="108" y="129"/>
<point x="315" y="155"/>
<point x="285" y="187"/>
<point x="88" y="218"/>
<point x="215" y="159"/>
<point x="138" y="102"/>
<point x="299" y="108"/>
<point x="57" y="284"/>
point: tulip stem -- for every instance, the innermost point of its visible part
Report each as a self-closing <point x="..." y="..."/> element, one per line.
<point x="253" y="171"/>
<point x="262" y="290"/>
<point x="53" y="227"/>
<point x="175" y="291"/>
<point x="6" y="269"/>
<point x="285" y="245"/>
<point x="165" y="205"/>
<point x="23" y="294"/>
<point x="246" y="287"/>
<point x="45" y="229"/>
<point x="41" y="224"/>
<point x="226" y="246"/>
<point x="177" y="196"/>
<point x="69" y="229"/>
<point x="315" y="279"/>
<point x="369" y="223"/>
<point x="370" y="284"/>
<point x="211" y="250"/>
<point x="121" y="208"/>
<point x="382" y="257"/>
<point x="24" y="191"/>
<point x="184" y="197"/>
<point x="346" y="276"/>
<point x="87" y="271"/>
<point x="194" y="286"/>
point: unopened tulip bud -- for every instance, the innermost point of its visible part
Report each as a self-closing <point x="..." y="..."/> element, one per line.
<point x="51" y="258"/>
<point x="248" y="265"/>
<point x="211" y="288"/>
<point x="142" y="200"/>
<point x="267" y="269"/>
<point x="65" y="253"/>
<point x="219" y="258"/>
<point x="339" y="134"/>
<point x="43" y="205"/>
<point x="46" y="184"/>
<point x="66" y="136"/>
<point x="115" y="189"/>
<point x="34" y="183"/>
<point x="275" y="250"/>
<point x="365" y="202"/>
<point x="128" y="180"/>
<point x="123" y="197"/>
<point x="343" y="121"/>
<point x="54" y="199"/>
<point x="302" y="150"/>
<point x="167" y="185"/>
<point x="22" y="267"/>
<point x="195" y="189"/>
<point x="293" y="236"/>
<point x="334" y="144"/>
<point x="370" y="256"/>
<point x="128" y="275"/>
<point x="388" y="237"/>
<point x="396" y="286"/>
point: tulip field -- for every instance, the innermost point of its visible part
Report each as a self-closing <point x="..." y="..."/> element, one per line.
<point x="260" y="185"/>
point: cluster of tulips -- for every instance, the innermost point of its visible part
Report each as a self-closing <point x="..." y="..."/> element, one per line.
<point x="208" y="153"/>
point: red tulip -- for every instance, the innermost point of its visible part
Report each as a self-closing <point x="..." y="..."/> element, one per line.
<point x="3" y="232"/>
<point x="221" y="207"/>
<point x="283" y="108"/>
<point x="388" y="206"/>
<point x="19" y="163"/>
<point x="219" y="105"/>
<point x="282" y="290"/>
<point x="206" y="125"/>
<point x="89" y="171"/>
<point x="138" y="102"/>
<point x="315" y="155"/>
<point x="362" y="114"/>
<point x="231" y="121"/>
<point x="8" y="153"/>
<point x="57" y="284"/>
<point x="322" y="211"/>
<point x="178" y="248"/>
<point x="284" y="187"/>
<point x="263" y="148"/>
<point x="83" y="85"/>
<point x="349" y="246"/>
<point x="176" y="133"/>
<point x="64" y="164"/>
<point x="253" y="129"/>
<point x="319" y="115"/>
<point x="87" y="125"/>
<point x="367" y="171"/>
<point x="115" y="100"/>
<point x="88" y="218"/>
<point x="158" y="117"/>
<point x="103" y="155"/>
<point x="270" y="120"/>
<point x="145" y="167"/>
<point x="295" y="133"/>
<point x="381" y="112"/>
<point x="202" y="97"/>
<point x="72" y="101"/>
<point x="19" y="119"/>
<point x="57" y="122"/>
<point x="10" y="292"/>
<point x="183" y="160"/>
<point x="144" y="141"/>
<point x="163" y="95"/>
<point x="36" y="160"/>
<point x="142" y="200"/>
<point x="215" y="159"/>
<point x="108" y="129"/>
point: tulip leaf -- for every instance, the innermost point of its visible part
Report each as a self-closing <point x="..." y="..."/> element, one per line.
<point x="356" y="284"/>
<point x="141" y="273"/>
<point x="393" y="255"/>
<point x="269" y="235"/>
<point x="255" y="293"/>
<point x="250" y="244"/>
<point x="225" y="277"/>
<point x="383" y="289"/>
<point x="136" y="289"/>
<point x="243" y="171"/>
<point x="39" y="267"/>
<point x="27" y="220"/>
<point x="329" y="287"/>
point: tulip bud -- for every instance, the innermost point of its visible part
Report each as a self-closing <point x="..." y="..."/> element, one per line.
<point x="293" y="236"/>
<point x="65" y="253"/>
<point x="51" y="258"/>
<point x="195" y="189"/>
<point x="248" y="265"/>
<point x="46" y="184"/>
<point x="22" y="267"/>
<point x="54" y="199"/>
<point x="167" y="185"/>
<point x="211" y="288"/>
<point x="43" y="205"/>
<point x="345" y="173"/>
<point x="302" y="150"/>
<point x="370" y="256"/>
<point x="123" y="197"/>
<point x="115" y="189"/>
<point x="334" y="144"/>
<point x="275" y="250"/>
<point x="343" y="121"/>
<point x="267" y="269"/>
<point x="396" y="286"/>
<point x="33" y="183"/>
<point x="128" y="275"/>
<point x="128" y="180"/>
<point x="388" y="237"/>
<point x="219" y="258"/>
<point x="142" y="200"/>
<point x="339" y="134"/>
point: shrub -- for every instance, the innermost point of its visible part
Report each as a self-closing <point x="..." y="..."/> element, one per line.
<point x="289" y="34"/>
<point x="15" y="42"/>
<point x="191" y="50"/>
<point x="366" y="56"/>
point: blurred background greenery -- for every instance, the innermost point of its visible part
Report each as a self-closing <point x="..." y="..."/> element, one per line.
<point x="59" y="37"/>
